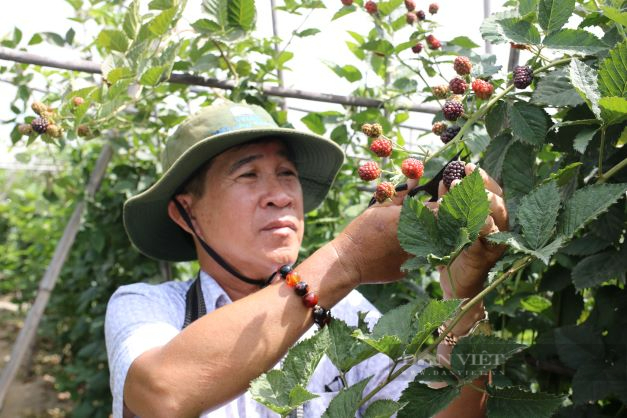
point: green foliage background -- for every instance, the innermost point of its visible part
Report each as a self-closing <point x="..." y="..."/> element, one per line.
<point x="557" y="148"/>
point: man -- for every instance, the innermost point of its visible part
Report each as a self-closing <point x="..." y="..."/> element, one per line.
<point x="233" y="195"/>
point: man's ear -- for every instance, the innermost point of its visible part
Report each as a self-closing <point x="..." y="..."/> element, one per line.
<point x="173" y="212"/>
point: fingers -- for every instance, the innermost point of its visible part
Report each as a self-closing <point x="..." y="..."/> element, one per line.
<point x="488" y="181"/>
<point x="489" y="227"/>
<point x="498" y="211"/>
<point x="400" y="196"/>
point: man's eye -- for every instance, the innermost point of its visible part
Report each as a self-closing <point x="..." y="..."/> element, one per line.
<point x="288" y="173"/>
<point x="248" y="175"/>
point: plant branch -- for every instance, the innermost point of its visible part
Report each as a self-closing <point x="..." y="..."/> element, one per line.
<point x="601" y="150"/>
<point x="603" y="178"/>
<point x="228" y="62"/>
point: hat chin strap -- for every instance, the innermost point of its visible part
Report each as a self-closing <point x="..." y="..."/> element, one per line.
<point x="213" y="254"/>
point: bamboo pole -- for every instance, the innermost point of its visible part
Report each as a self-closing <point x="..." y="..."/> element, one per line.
<point x="28" y="331"/>
<point x="196" y="80"/>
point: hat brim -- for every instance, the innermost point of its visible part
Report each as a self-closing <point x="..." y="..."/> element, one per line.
<point x="146" y="219"/>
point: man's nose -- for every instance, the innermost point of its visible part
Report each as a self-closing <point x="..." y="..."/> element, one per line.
<point x="277" y="193"/>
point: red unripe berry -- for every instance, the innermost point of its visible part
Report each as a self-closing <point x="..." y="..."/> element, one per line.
<point x="410" y="5"/>
<point x="433" y="8"/>
<point x="462" y="65"/>
<point x="438" y="128"/>
<point x="384" y="191"/>
<point x="77" y="101"/>
<point x="433" y="42"/>
<point x="371" y="7"/>
<point x="483" y="89"/>
<point x="411" y="18"/>
<point x="369" y="171"/>
<point x="347" y="2"/>
<point x="458" y="85"/>
<point x="382" y="147"/>
<point x="452" y="110"/>
<point x="412" y="168"/>
<point x="417" y="48"/>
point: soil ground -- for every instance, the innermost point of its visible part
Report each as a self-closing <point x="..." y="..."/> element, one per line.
<point x="32" y="394"/>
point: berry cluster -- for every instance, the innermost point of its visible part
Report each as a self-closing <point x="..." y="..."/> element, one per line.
<point x="43" y="123"/>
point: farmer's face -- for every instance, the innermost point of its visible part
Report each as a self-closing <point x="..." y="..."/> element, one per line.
<point x="251" y="211"/>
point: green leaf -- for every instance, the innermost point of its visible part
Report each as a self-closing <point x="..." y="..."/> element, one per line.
<point x="616" y="15"/>
<point x="152" y="76"/>
<point x="424" y="402"/>
<point x="382" y="408"/>
<point x="520" y="31"/>
<point x="344" y="350"/>
<point x="161" y="4"/>
<point x="475" y="355"/>
<point x="131" y="20"/>
<point x="555" y="90"/>
<point x="526" y="7"/>
<point x="303" y="358"/>
<point x="349" y="72"/>
<point x="495" y="155"/>
<point x="241" y="14"/>
<point x="584" y="79"/>
<point x="307" y="32"/>
<point x="537" y="214"/>
<point x="379" y="46"/>
<point x="346" y="403"/>
<point x="517" y="243"/>
<point x="463" y="41"/>
<point x="160" y="24"/>
<point x="583" y="137"/>
<point x="430" y="317"/>
<point x="496" y="119"/>
<point x="574" y="41"/>
<point x="535" y="303"/>
<point x="344" y="11"/>
<point x="613" y="109"/>
<point x="553" y="14"/>
<point x="598" y="268"/>
<point x="113" y="40"/>
<point x="465" y="206"/>
<point x="272" y="390"/>
<point x="518" y="170"/>
<point x="206" y="26"/>
<point x="314" y="122"/>
<point x="529" y="123"/>
<point x="418" y="232"/>
<point x="515" y="402"/>
<point x="491" y="29"/>
<point x="217" y="10"/>
<point x="564" y="175"/>
<point x="437" y="374"/>
<point x="586" y="204"/>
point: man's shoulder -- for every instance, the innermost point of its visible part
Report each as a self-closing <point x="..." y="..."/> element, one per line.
<point x="166" y="290"/>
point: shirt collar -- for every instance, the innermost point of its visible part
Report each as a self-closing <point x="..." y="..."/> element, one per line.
<point x="215" y="296"/>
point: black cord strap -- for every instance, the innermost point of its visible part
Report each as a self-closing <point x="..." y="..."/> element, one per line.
<point x="222" y="262"/>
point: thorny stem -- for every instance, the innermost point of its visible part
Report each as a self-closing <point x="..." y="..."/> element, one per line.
<point x="518" y="265"/>
<point x="609" y="173"/>
<point x="483" y="110"/>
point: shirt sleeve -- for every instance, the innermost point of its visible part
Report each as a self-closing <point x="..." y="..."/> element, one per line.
<point x="139" y="317"/>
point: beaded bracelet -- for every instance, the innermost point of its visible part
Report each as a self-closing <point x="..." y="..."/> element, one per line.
<point x="321" y="316"/>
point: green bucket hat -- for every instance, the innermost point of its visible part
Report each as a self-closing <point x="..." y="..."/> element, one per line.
<point x="202" y="136"/>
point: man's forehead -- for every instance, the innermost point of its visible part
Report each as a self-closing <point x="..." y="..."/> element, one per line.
<point x="244" y="153"/>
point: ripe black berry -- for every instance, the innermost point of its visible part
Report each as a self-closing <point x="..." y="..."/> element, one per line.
<point x="453" y="171"/>
<point x="523" y="76"/>
<point x="452" y="109"/>
<point x="449" y="133"/>
<point x="40" y="125"/>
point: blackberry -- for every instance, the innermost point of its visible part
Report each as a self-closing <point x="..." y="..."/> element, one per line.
<point x="462" y="65"/>
<point x="458" y="85"/>
<point x="40" y="125"/>
<point x="523" y="76"/>
<point x="453" y="171"/>
<point x="421" y="15"/>
<point x="449" y="133"/>
<point x="452" y="110"/>
<point x="417" y="48"/>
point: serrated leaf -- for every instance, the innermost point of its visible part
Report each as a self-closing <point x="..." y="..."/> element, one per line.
<point x="586" y="204"/>
<point x="578" y="344"/>
<point x="496" y="119"/>
<point x="152" y="76"/>
<point x="574" y="41"/>
<point x="529" y="123"/>
<point x="518" y="170"/>
<point x="535" y="303"/>
<point x="314" y="122"/>
<point x="555" y="90"/>
<point x="517" y="243"/>
<point x="437" y="374"/>
<point x="131" y="20"/>
<point x="160" y="4"/>
<point x="584" y="79"/>
<point x="424" y="402"/>
<point x="344" y="11"/>
<point x="465" y="206"/>
<point x="598" y="268"/>
<point x="162" y="22"/>
<point x="495" y="155"/>
<point x="583" y="137"/>
<point x="390" y="345"/>
<point x="616" y="15"/>
<point x="526" y="7"/>
<point x="303" y="358"/>
<point x="553" y="14"/>
<point x="491" y="29"/>
<point x="515" y="402"/>
<point x="537" y="214"/>
<point x="217" y="10"/>
<point x="344" y="350"/>
<point x="379" y="46"/>
<point x="613" y="109"/>
<point x="463" y="41"/>
<point x="307" y="32"/>
<point x="564" y="175"/>
<point x="272" y="390"/>
<point x="418" y="232"/>
<point x="586" y="245"/>
<point x="475" y="355"/>
<point x="520" y="31"/>
<point x="206" y="26"/>
<point x="346" y="403"/>
<point x="599" y="380"/>
<point x="241" y="14"/>
<point x="111" y="39"/>
<point x="430" y="317"/>
<point x="382" y="408"/>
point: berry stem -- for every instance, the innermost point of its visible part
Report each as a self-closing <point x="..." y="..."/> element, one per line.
<point x="518" y="265"/>
<point x="601" y="149"/>
<point x="484" y="109"/>
<point x="227" y="60"/>
<point x="419" y="74"/>
<point x="609" y="173"/>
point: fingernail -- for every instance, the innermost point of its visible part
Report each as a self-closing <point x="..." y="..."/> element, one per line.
<point x="471" y="167"/>
<point x="455" y="183"/>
